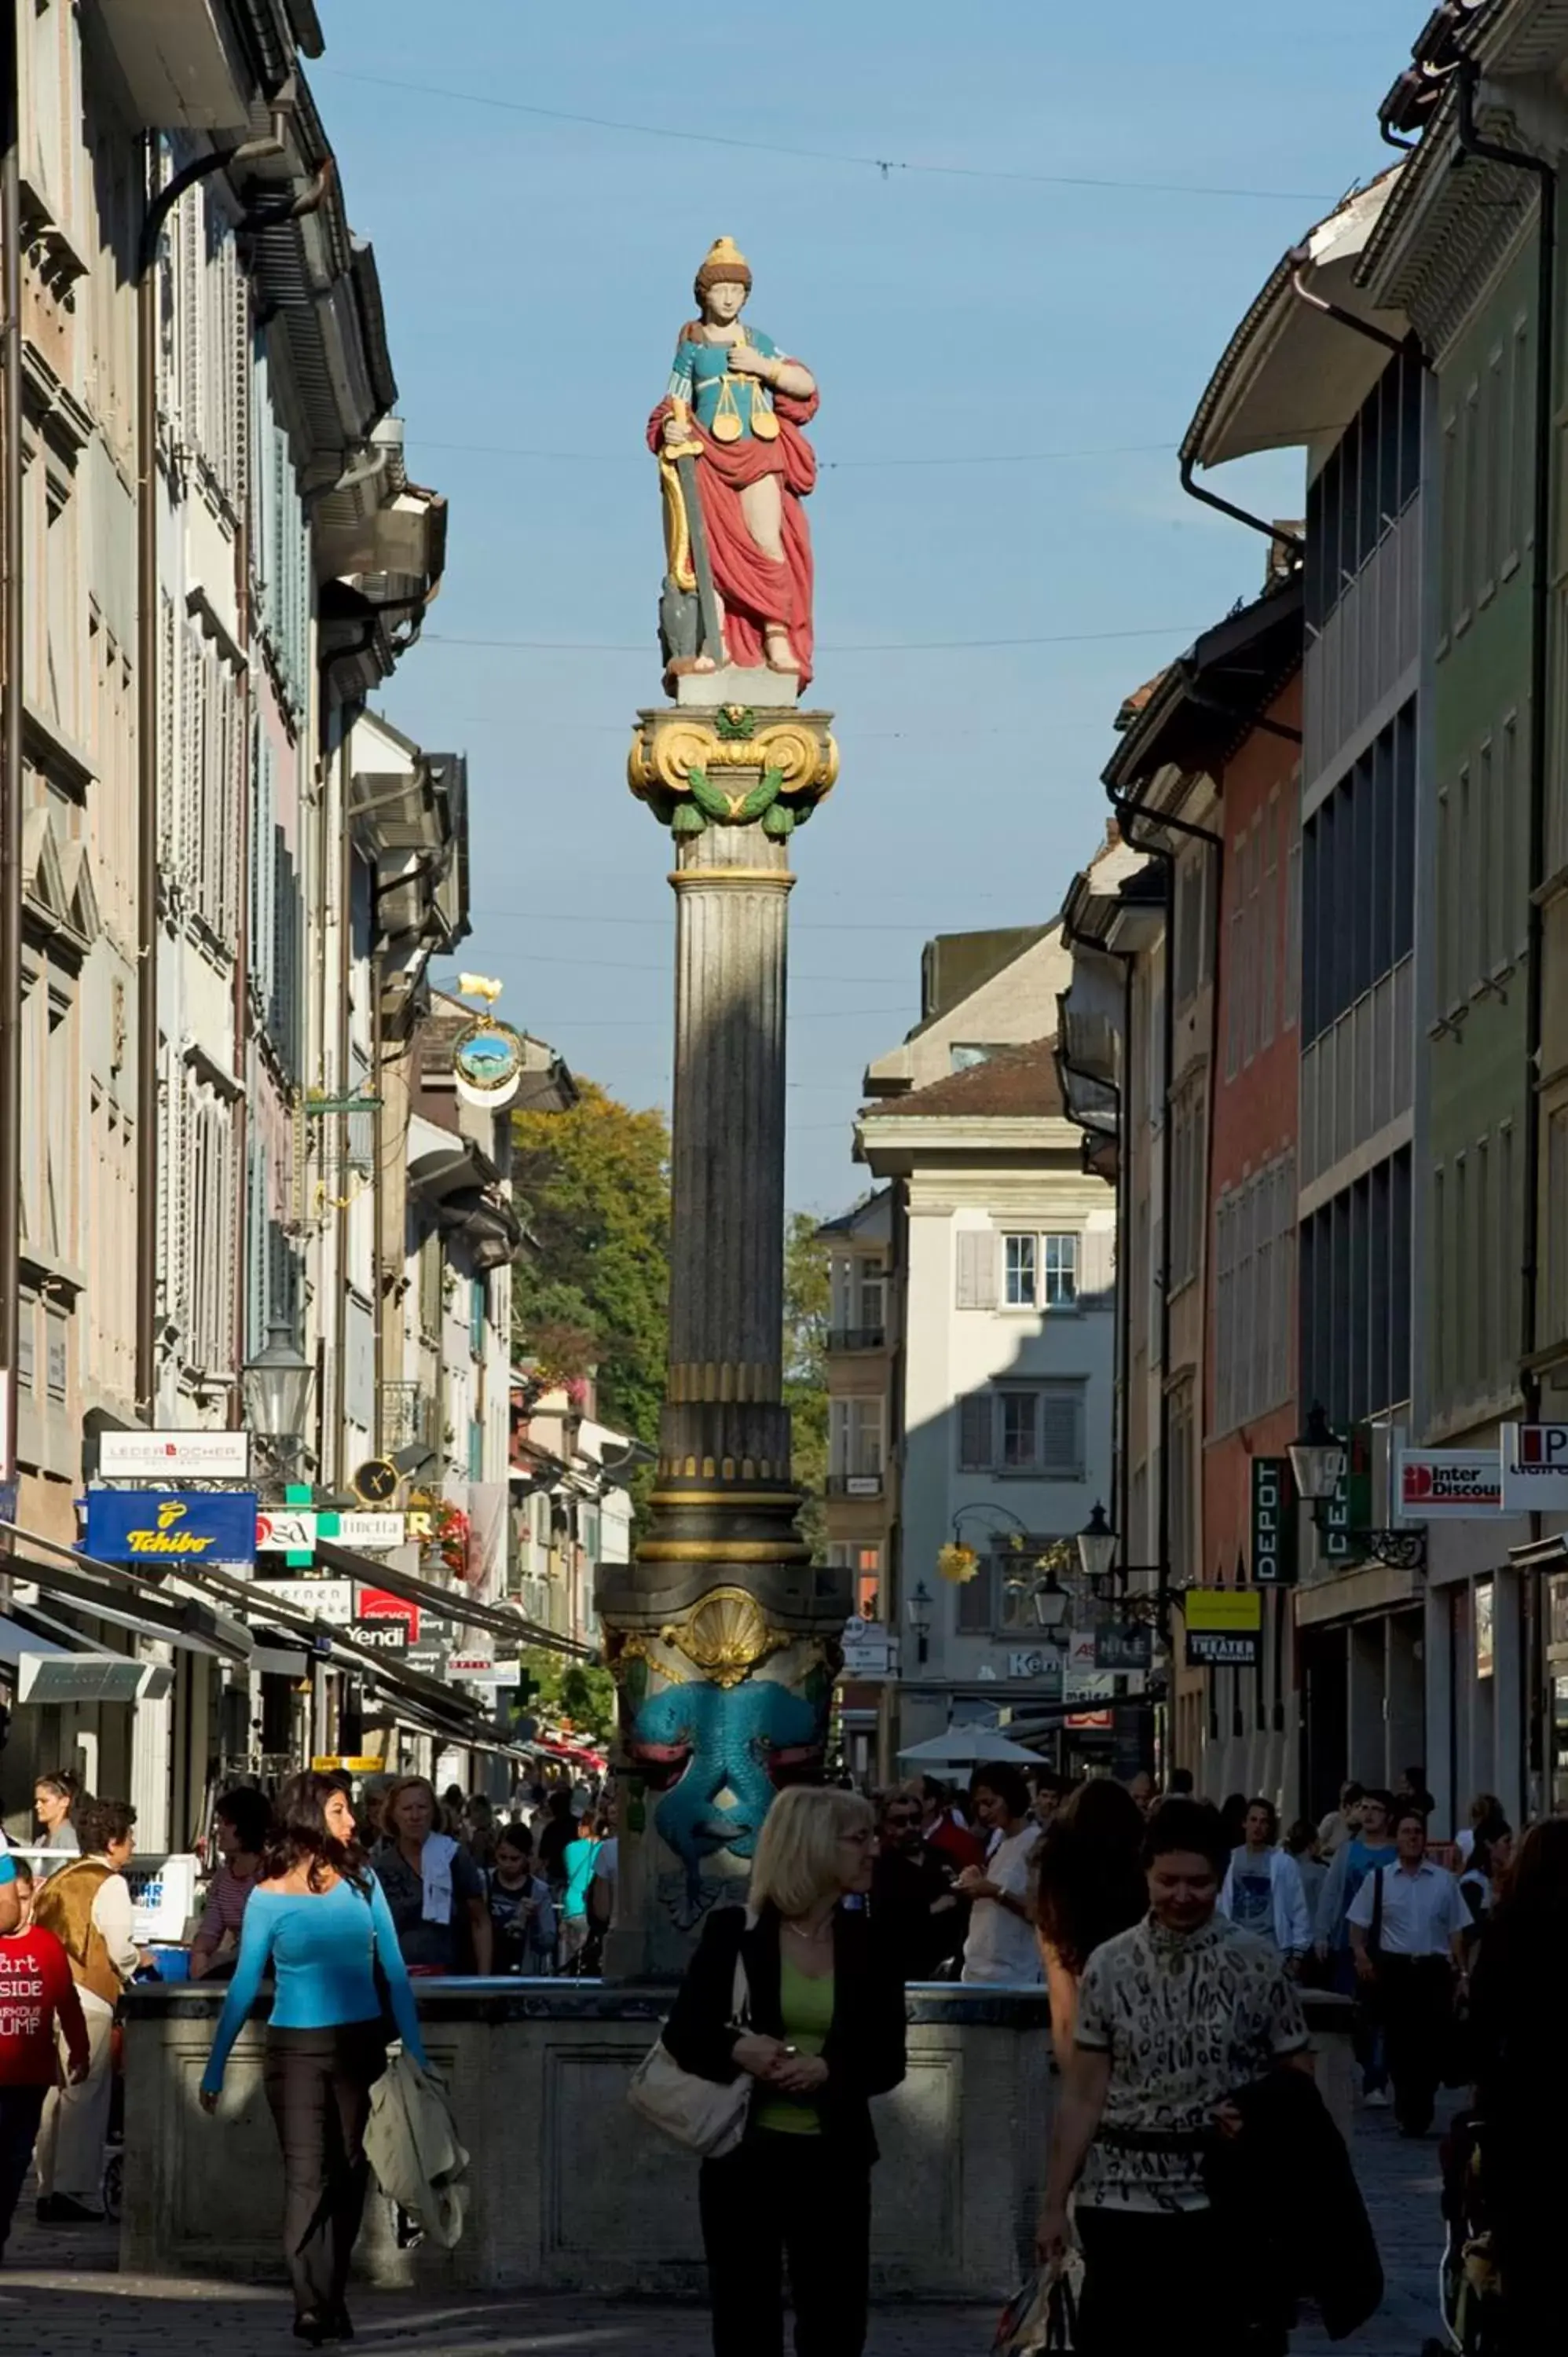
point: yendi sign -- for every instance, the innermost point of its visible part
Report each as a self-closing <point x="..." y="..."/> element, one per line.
<point x="164" y="1526"/>
<point x="1274" y="1523"/>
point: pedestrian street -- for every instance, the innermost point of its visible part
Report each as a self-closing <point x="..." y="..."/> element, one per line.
<point x="59" y="2292"/>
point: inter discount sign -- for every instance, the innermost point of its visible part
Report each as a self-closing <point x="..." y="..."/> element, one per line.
<point x="1450" y="1485"/>
<point x="1535" y="1469"/>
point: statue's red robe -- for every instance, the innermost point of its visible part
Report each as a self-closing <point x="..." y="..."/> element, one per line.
<point x="754" y="587"/>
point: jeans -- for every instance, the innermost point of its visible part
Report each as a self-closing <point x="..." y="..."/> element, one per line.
<point x="21" y="2108"/>
<point x="1165" y="2282"/>
<point x="1368" y="2035"/>
<point x="318" y="2086"/>
<point x="792" y="2197"/>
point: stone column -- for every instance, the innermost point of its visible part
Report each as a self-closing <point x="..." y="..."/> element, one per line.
<point x="722" y="1635"/>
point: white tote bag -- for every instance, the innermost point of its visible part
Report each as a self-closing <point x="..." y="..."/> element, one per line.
<point x="701" y="2115"/>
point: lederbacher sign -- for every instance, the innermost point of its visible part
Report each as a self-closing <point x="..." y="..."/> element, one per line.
<point x="1450" y="1485"/>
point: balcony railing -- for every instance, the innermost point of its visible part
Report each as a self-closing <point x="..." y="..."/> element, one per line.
<point x="858" y="1337"/>
<point x="854" y="1485"/>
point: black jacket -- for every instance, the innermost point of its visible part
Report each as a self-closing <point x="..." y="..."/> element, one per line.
<point x="865" y="2047"/>
<point x="1293" y="2211"/>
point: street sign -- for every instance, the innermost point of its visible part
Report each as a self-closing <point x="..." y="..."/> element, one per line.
<point x="1224" y="1628"/>
<point x="331" y="1600"/>
<point x="1450" y="1485"/>
<point x="1535" y="1469"/>
<point x="1274" y="1523"/>
<point x="870" y="1649"/>
<point x="171" y="1526"/>
<point x="173" y="1456"/>
<point x="285" y="1529"/>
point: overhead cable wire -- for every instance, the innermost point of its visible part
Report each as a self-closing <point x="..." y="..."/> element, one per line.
<point x="884" y="164"/>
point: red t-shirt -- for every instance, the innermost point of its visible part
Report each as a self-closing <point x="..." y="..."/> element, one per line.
<point x="36" y="1987"/>
<point x="963" y="1847"/>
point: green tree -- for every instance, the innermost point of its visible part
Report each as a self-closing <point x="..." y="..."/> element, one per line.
<point x="573" y="1690"/>
<point x="593" y="1190"/>
<point x="806" y="1315"/>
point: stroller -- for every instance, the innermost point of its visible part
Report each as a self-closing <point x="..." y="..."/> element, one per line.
<point x="1469" y="2290"/>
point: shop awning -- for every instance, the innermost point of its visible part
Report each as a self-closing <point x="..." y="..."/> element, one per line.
<point x="447" y="1603"/>
<point x="47" y="1672"/>
<point x="183" y="1621"/>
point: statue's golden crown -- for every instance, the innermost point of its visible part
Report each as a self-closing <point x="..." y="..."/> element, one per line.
<point x="722" y="262"/>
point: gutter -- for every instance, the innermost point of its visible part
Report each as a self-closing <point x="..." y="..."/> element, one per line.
<point x="148" y="633"/>
<point x="1127" y="812"/>
<point x="1487" y="151"/>
<point x="11" y="786"/>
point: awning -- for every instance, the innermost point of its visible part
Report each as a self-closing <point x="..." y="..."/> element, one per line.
<point x="447" y="1603"/>
<point x="183" y="1622"/>
<point x="46" y="1672"/>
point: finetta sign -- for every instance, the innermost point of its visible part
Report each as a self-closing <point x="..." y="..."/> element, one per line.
<point x="1535" y="1469"/>
<point x="1450" y="1485"/>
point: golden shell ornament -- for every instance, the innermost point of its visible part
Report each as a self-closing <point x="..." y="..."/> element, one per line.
<point x="725" y="1636"/>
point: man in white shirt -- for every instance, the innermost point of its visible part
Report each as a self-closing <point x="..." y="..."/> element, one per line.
<point x="1002" y="1947"/>
<point x="87" y="1905"/>
<point x="1407" y="1928"/>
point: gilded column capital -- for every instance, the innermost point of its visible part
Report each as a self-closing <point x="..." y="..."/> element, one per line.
<point x="732" y="767"/>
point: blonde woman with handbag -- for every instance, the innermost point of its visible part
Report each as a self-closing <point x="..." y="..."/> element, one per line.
<point x="823" y="2031"/>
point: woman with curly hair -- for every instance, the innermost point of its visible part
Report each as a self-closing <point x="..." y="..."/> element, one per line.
<point x="319" y="1918"/>
<point x="1088" y="1884"/>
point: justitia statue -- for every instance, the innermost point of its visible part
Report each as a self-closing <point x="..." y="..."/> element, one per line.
<point x="722" y="1635"/>
<point x="735" y="467"/>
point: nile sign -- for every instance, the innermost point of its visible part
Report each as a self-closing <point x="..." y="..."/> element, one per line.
<point x="164" y="1526"/>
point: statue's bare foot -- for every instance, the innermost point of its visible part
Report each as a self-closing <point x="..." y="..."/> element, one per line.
<point x="704" y="662"/>
<point x="781" y="655"/>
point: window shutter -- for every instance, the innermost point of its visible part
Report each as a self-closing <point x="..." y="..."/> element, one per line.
<point x="1097" y="1267"/>
<point x="975" y="1433"/>
<point x="1061" y="1432"/>
<point x="976" y="1268"/>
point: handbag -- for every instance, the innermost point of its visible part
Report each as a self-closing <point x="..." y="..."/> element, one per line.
<point x="701" y="2115"/>
<point x="1042" y="2317"/>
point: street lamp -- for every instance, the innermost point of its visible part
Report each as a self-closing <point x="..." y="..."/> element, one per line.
<point x="1097" y="1550"/>
<point x="919" y="1609"/>
<point x="1318" y="1460"/>
<point x="1051" y="1604"/>
<point x="277" y="1384"/>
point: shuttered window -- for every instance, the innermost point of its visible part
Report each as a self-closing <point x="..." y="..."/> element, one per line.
<point x="976" y="1269"/>
<point x="1033" y="1428"/>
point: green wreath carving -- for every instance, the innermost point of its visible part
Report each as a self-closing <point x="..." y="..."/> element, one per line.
<point x="715" y="804"/>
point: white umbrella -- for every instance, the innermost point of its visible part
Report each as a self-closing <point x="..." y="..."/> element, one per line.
<point x="967" y="1747"/>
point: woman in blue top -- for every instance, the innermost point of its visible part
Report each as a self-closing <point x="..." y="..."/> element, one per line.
<point x="319" y="1917"/>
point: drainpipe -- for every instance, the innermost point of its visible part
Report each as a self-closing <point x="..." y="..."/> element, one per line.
<point x="1302" y="255"/>
<point x="1275" y="533"/>
<point x="147" y="657"/>
<point x="1471" y="143"/>
<point x="11" y="785"/>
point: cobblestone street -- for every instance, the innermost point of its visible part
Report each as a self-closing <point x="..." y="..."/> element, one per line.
<point x="58" y="2294"/>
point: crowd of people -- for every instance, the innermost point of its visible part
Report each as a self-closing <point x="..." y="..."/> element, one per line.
<point x="1174" y="1938"/>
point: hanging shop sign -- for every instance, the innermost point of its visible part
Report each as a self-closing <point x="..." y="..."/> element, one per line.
<point x="1450" y="1485"/>
<point x="1090" y="1722"/>
<point x="1224" y="1628"/>
<point x="1128" y="1649"/>
<point x="331" y="1600"/>
<point x="382" y="1632"/>
<point x="1275" y="1523"/>
<point x="374" y="1532"/>
<point x="484" y="1669"/>
<point x="286" y="1530"/>
<point x="374" y="1482"/>
<point x="380" y="1604"/>
<point x="870" y="1649"/>
<point x="173" y="1456"/>
<point x="488" y="1057"/>
<point x="1348" y="1512"/>
<point x="1535" y="1469"/>
<point x="1486" y="1655"/>
<point x="169" y="1527"/>
<point x="1037" y="1665"/>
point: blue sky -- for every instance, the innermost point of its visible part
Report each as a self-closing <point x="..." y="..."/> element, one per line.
<point x="535" y="271"/>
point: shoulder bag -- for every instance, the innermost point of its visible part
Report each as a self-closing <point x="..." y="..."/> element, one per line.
<point x="702" y="2115"/>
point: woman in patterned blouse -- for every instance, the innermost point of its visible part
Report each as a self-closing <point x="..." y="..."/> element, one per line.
<point x="1173" y="2018"/>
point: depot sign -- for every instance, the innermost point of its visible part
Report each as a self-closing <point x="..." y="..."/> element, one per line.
<point x="1450" y="1485"/>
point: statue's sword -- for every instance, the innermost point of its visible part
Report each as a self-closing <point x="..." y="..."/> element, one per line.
<point x="686" y="455"/>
